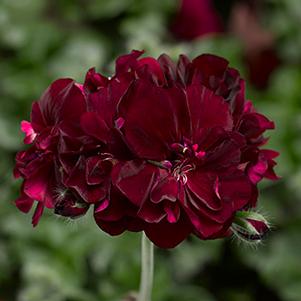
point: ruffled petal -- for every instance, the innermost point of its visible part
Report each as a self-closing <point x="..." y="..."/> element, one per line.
<point x="30" y="134"/>
<point x="203" y="105"/>
<point x="168" y="235"/>
<point x="134" y="179"/>
<point x="93" y="125"/>
<point x="148" y="130"/>
<point x="24" y="203"/>
<point x="165" y="189"/>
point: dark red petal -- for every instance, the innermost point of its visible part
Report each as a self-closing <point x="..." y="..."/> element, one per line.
<point x="237" y="100"/>
<point x="38" y="213"/>
<point x="94" y="81"/>
<point x="39" y="186"/>
<point x="37" y="119"/>
<point x="203" y="106"/>
<point x="112" y="209"/>
<point x="62" y="101"/>
<point x="235" y="190"/>
<point x="262" y="166"/>
<point x="24" y="203"/>
<point x="126" y="62"/>
<point x="204" y="227"/>
<point x="112" y="228"/>
<point x="93" y="125"/>
<point x="134" y="179"/>
<point x="269" y="154"/>
<point x="169" y="69"/>
<point x="210" y="69"/>
<point x="148" y="130"/>
<point x="117" y="227"/>
<point x="165" y="189"/>
<point x="202" y="186"/>
<point x="151" y="213"/>
<point x="97" y="169"/>
<point x="116" y="214"/>
<point x="261" y="227"/>
<point x="153" y="68"/>
<point x="77" y="180"/>
<point x="254" y="124"/>
<point x="183" y="69"/>
<point x="168" y="235"/>
<point x="226" y="153"/>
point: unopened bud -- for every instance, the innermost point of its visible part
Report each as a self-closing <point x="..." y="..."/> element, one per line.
<point x="250" y="226"/>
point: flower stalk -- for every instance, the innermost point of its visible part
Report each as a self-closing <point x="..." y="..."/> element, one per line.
<point x="147" y="269"/>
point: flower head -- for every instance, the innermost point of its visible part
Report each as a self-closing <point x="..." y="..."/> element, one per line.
<point x="169" y="149"/>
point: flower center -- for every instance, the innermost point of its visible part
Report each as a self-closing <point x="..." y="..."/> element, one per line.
<point x="184" y="160"/>
<point x="181" y="169"/>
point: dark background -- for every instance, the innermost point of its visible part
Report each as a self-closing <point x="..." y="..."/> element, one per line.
<point x="62" y="260"/>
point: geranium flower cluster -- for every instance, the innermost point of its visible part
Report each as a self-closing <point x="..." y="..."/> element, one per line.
<point x="169" y="149"/>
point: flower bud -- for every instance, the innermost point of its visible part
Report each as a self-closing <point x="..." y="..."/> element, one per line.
<point x="250" y="226"/>
<point x="70" y="206"/>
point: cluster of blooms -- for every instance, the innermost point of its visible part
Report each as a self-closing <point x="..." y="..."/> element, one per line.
<point x="169" y="149"/>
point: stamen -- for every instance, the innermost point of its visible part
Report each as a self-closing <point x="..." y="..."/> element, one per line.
<point x="163" y="164"/>
<point x="181" y="170"/>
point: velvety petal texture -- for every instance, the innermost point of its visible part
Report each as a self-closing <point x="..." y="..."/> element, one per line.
<point x="172" y="149"/>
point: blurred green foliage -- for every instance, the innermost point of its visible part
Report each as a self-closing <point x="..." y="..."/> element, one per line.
<point x="41" y="40"/>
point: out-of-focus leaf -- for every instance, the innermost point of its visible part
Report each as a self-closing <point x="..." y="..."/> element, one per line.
<point x="79" y="53"/>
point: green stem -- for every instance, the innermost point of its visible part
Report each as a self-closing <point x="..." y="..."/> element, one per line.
<point x="147" y="269"/>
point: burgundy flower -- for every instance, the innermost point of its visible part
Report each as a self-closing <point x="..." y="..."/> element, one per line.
<point x="169" y="149"/>
<point x="189" y="170"/>
<point x="187" y="174"/>
<point x="196" y="18"/>
<point x="200" y="18"/>
<point x="261" y="65"/>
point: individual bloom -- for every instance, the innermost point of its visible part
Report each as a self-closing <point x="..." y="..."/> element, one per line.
<point x="59" y="108"/>
<point x="189" y="173"/>
<point x="187" y="178"/>
<point x="196" y="18"/>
